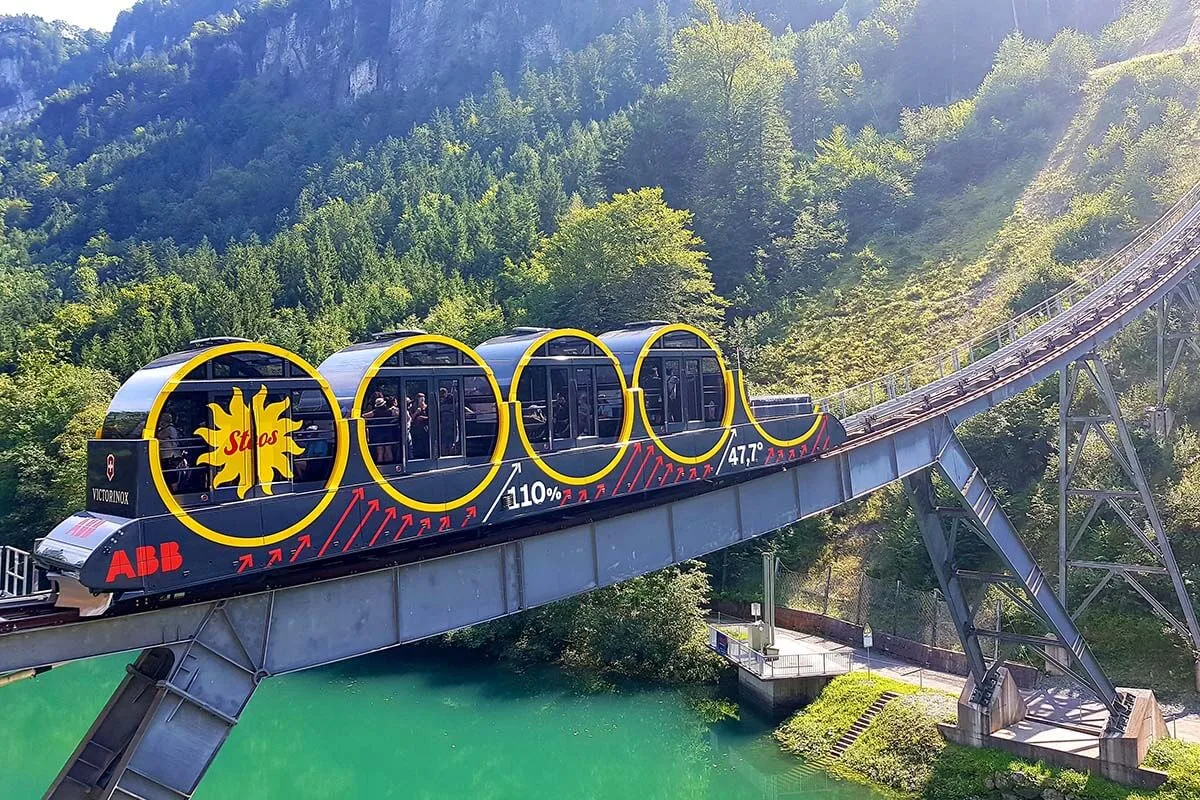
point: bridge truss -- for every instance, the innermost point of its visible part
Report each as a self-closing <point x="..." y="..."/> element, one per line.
<point x="199" y="664"/>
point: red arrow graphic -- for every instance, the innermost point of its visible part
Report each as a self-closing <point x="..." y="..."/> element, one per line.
<point x="372" y="507"/>
<point x="426" y="524"/>
<point x="601" y="489"/>
<point x="444" y="523"/>
<point x="359" y="494"/>
<point x="276" y="557"/>
<point x="407" y="519"/>
<point x="666" y="475"/>
<point x="583" y="495"/>
<point x="692" y="474"/>
<point x="637" y="477"/>
<point x="245" y="563"/>
<point x="707" y="470"/>
<point x="657" y="463"/>
<point x="566" y="497"/>
<point x="301" y="543"/>
<point x="388" y="516"/>
<point x="471" y="514"/>
<point x="637" y="448"/>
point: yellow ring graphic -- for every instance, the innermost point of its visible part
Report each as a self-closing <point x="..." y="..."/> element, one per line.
<point x="725" y="375"/>
<point x="501" y="416"/>
<point x="626" y="408"/>
<point x="164" y="491"/>
<point x="801" y="439"/>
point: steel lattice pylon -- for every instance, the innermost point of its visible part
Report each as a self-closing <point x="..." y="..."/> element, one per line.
<point x="1089" y="412"/>
<point x="1020" y="580"/>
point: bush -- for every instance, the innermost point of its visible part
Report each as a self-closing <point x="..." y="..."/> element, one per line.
<point x="966" y="772"/>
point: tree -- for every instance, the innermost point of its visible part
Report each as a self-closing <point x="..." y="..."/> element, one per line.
<point x="730" y="74"/>
<point x="47" y="412"/>
<point x="629" y="259"/>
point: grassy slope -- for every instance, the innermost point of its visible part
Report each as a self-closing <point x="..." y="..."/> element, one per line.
<point x="966" y="266"/>
<point x="902" y="752"/>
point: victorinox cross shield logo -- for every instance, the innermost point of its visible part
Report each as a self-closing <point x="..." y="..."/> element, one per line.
<point x="110" y="466"/>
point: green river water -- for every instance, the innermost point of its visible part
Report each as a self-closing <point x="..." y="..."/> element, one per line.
<point x="428" y="723"/>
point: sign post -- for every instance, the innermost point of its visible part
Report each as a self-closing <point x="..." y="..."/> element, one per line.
<point x="868" y="640"/>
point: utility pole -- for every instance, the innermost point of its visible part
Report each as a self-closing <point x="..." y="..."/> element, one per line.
<point x="769" y="597"/>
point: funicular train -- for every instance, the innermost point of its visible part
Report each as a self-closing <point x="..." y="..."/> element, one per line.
<point x="233" y="459"/>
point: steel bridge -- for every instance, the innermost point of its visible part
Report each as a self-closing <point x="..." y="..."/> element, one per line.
<point x="199" y="664"/>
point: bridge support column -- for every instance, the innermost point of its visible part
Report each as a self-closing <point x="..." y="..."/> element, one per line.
<point x="1089" y="409"/>
<point x="978" y="512"/>
<point x="164" y="725"/>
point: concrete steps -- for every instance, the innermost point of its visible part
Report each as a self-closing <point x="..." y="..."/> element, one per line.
<point x="851" y="736"/>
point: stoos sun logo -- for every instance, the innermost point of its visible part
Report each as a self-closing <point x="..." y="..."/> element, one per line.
<point x="243" y="455"/>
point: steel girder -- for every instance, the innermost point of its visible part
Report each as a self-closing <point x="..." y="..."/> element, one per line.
<point x="1022" y="581"/>
<point x="1132" y="506"/>
<point x="1178" y="331"/>
<point x="219" y="651"/>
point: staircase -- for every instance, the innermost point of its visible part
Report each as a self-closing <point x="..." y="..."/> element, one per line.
<point x="860" y="724"/>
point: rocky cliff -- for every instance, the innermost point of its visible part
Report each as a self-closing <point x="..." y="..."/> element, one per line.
<point x="38" y="57"/>
<point x="350" y="48"/>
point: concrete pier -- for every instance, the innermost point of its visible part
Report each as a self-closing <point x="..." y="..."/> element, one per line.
<point x="1007" y="723"/>
<point x="787" y="675"/>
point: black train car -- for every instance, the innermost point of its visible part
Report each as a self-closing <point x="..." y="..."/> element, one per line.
<point x="232" y="460"/>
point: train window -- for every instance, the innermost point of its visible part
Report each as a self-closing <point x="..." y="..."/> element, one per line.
<point x="429" y="355"/>
<point x="714" y="390"/>
<point x="691" y="390"/>
<point x="672" y="389"/>
<point x="610" y="404"/>
<point x="569" y="346"/>
<point x="560" y="403"/>
<point x="123" y="425"/>
<point x="651" y="382"/>
<point x="384" y="420"/>
<point x="316" y="437"/>
<point x="680" y="340"/>
<point x="482" y="417"/>
<point x="585" y="403"/>
<point x="247" y="365"/>
<point x="179" y="447"/>
<point x="450" y="414"/>
<point x="419" y="423"/>
<point x="531" y="392"/>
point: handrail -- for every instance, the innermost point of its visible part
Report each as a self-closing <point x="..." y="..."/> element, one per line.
<point x="19" y="576"/>
<point x="868" y="394"/>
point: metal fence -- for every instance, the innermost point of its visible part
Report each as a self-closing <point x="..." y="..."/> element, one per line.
<point x="888" y="606"/>
<point x="19" y="576"/>
<point x="859" y="398"/>
<point x="790" y="665"/>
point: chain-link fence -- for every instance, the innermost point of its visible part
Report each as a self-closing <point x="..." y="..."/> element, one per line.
<point x="888" y="606"/>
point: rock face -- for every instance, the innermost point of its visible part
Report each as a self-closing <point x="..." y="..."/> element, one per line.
<point x="348" y="49"/>
<point x="38" y="57"/>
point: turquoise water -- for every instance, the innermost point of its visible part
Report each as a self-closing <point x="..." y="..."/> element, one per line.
<point x="426" y="723"/>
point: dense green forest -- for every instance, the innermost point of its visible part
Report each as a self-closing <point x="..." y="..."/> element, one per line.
<point x="831" y="188"/>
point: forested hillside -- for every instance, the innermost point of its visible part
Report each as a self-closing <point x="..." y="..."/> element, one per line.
<point x="832" y="188"/>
